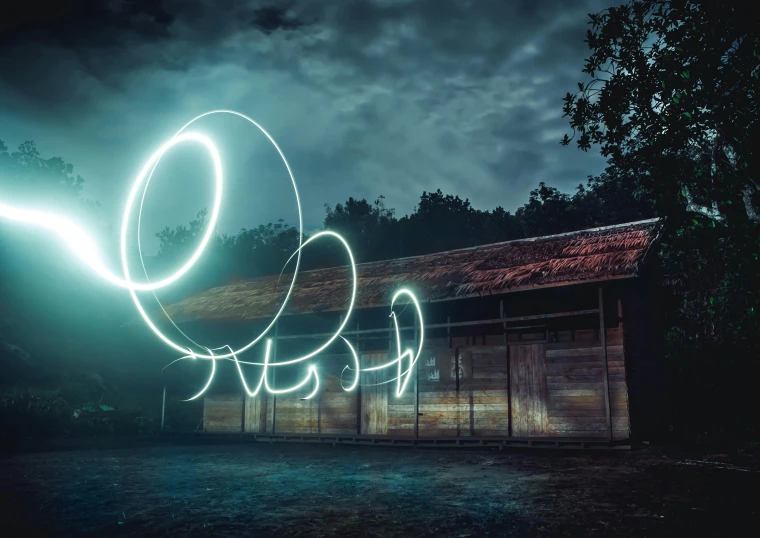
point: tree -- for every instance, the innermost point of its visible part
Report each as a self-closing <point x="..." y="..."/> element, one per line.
<point x="444" y="222"/>
<point x="264" y="250"/>
<point x="549" y="211"/>
<point x="251" y="253"/>
<point x="368" y="228"/>
<point x="673" y="96"/>
<point x="673" y="103"/>
<point x="43" y="291"/>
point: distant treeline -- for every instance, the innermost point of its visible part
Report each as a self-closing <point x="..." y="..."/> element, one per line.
<point x="439" y="222"/>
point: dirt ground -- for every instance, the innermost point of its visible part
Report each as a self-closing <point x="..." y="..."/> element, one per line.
<point x="256" y="489"/>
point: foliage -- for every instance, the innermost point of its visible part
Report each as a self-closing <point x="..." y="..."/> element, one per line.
<point x="673" y="103"/>
<point x="673" y="97"/>
<point x="367" y="227"/>
<point x="38" y="413"/>
<point x="42" y="182"/>
<point x="444" y="222"/>
<point x="251" y="253"/>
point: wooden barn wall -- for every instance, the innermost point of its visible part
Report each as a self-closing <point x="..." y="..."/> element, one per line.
<point x="331" y="411"/>
<point x="575" y="382"/>
<point x="223" y="413"/>
<point x="546" y="382"/>
<point x="463" y="391"/>
<point x="381" y="413"/>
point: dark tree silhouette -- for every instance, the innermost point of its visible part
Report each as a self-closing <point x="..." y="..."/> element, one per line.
<point x="672" y="101"/>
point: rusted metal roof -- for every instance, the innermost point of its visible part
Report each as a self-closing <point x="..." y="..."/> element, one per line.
<point x="597" y="254"/>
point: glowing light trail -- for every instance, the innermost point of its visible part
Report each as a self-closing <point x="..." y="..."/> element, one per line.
<point x="83" y="247"/>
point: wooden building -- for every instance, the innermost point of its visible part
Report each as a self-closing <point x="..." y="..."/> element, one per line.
<point x="541" y="340"/>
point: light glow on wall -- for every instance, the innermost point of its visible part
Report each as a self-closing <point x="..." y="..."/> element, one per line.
<point x="85" y="250"/>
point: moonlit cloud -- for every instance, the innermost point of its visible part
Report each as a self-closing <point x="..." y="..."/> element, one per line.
<point x="366" y="97"/>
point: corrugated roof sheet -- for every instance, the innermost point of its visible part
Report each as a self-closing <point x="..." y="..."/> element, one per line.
<point x="585" y="256"/>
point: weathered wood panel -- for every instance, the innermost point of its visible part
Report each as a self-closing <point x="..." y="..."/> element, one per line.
<point x="575" y="382"/>
<point x="483" y="396"/>
<point x="557" y="390"/>
<point x="439" y="368"/>
<point x="293" y="414"/>
<point x="529" y="390"/>
<point x="223" y="413"/>
<point x="336" y="412"/>
<point x="255" y="414"/>
<point x="376" y="416"/>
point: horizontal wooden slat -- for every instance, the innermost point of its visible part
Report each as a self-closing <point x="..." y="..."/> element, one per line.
<point x="587" y="422"/>
<point x="463" y="400"/>
<point x="562" y="386"/>
<point x="567" y="350"/>
<point x="577" y="392"/>
<point x="575" y="412"/>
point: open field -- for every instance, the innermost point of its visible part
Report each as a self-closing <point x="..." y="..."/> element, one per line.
<point x="303" y="490"/>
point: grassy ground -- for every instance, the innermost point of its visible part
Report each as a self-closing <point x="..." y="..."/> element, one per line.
<point x="304" y="490"/>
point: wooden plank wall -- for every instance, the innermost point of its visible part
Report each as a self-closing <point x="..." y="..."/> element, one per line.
<point x="223" y="413"/>
<point x="332" y="410"/>
<point x="442" y="412"/>
<point x="295" y="415"/>
<point x="378" y="417"/>
<point x="575" y="379"/>
<point x="463" y="391"/>
<point x="483" y="388"/>
<point x="337" y="408"/>
<point x="557" y="391"/>
<point x="255" y="414"/>
<point x="528" y="383"/>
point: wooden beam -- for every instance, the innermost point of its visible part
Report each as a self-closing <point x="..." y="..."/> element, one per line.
<point x="509" y="373"/>
<point x="163" y="409"/>
<point x="449" y="325"/>
<point x="431" y="301"/>
<point x="358" y="386"/>
<point x="603" y="341"/>
<point x="274" y="377"/>
<point x="416" y="385"/>
<point x="501" y="315"/>
<point x="242" y="415"/>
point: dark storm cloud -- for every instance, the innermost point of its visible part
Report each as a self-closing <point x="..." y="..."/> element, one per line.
<point x="368" y="97"/>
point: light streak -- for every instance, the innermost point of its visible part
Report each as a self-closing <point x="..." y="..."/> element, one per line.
<point x="210" y="378"/>
<point x="84" y="248"/>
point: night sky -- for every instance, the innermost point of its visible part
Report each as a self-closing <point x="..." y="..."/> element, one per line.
<point x="366" y="98"/>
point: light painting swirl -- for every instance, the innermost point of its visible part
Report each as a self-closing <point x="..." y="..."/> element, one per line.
<point x="84" y="248"/>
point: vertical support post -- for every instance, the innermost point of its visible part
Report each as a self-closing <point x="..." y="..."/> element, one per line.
<point x="274" y="376"/>
<point x="620" y="317"/>
<point x="603" y="342"/>
<point x="387" y="387"/>
<point x="456" y="370"/>
<point x="163" y="409"/>
<point x="509" y="371"/>
<point x="416" y="383"/>
<point x="358" y="385"/>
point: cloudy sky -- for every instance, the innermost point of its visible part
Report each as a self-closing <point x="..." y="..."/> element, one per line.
<point x="365" y="97"/>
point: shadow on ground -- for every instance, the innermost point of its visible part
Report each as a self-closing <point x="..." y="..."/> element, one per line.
<point x="306" y="490"/>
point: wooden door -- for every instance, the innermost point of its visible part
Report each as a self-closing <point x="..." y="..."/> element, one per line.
<point x="374" y="396"/>
<point x="529" y="390"/>
<point x="255" y="414"/>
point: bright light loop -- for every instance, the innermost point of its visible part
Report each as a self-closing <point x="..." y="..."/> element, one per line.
<point x="210" y="378"/>
<point x="84" y="248"/>
<point x="301" y="244"/>
<point x="357" y="368"/>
